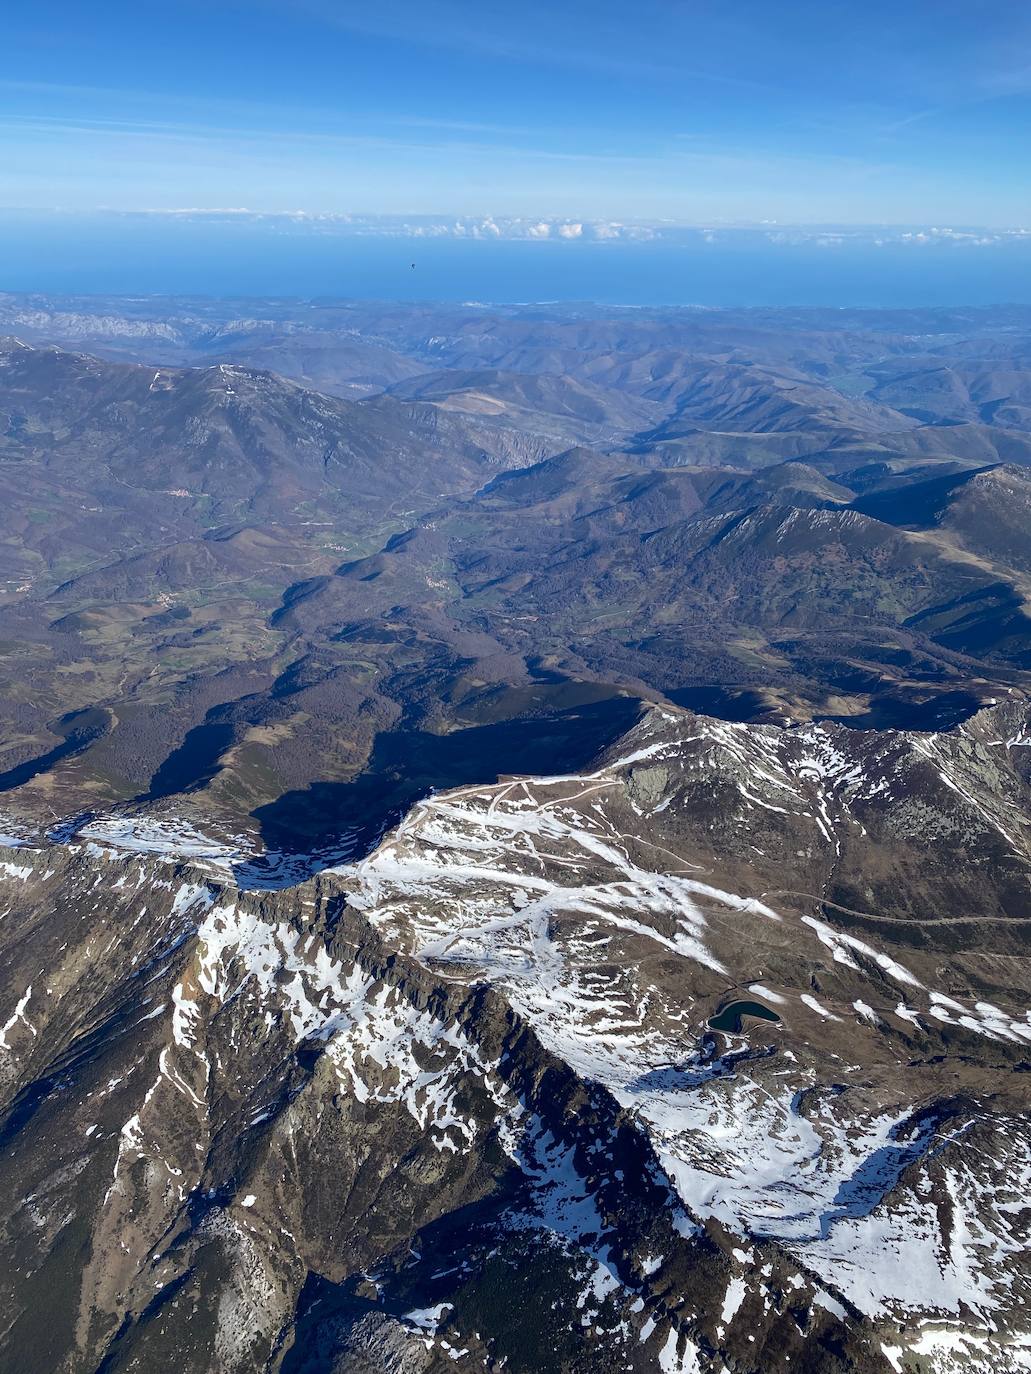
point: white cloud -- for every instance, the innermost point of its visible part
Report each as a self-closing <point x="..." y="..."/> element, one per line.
<point x="514" y="228"/>
<point x="962" y="238"/>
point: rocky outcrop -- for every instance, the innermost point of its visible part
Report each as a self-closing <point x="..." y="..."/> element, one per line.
<point x="458" y="1105"/>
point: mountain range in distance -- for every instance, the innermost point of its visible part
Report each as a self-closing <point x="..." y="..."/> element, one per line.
<point x="716" y="509"/>
<point x="514" y="809"/>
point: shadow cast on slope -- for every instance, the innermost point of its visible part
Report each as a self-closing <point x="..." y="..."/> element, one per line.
<point x="79" y="730"/>
<point x="195" y="762"/>
<point x="406" y="765"/>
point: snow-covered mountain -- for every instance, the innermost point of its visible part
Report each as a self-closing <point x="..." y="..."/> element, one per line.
<point x="712" y="1056"/>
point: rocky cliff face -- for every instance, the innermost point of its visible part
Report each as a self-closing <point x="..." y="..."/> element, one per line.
<point x="458" y="1105"/>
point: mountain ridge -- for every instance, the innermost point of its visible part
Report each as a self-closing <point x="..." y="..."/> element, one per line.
<point x="610" y="1176"/>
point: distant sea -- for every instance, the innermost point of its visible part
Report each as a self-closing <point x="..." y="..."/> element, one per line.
<point x="140" y="255"/>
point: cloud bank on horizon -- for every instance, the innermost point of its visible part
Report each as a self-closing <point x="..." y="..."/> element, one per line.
<point x="587" y="114"/>
<point x="499" y="228"/>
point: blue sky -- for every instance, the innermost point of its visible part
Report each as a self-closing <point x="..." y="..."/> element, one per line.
<point x="638" y="110"/>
